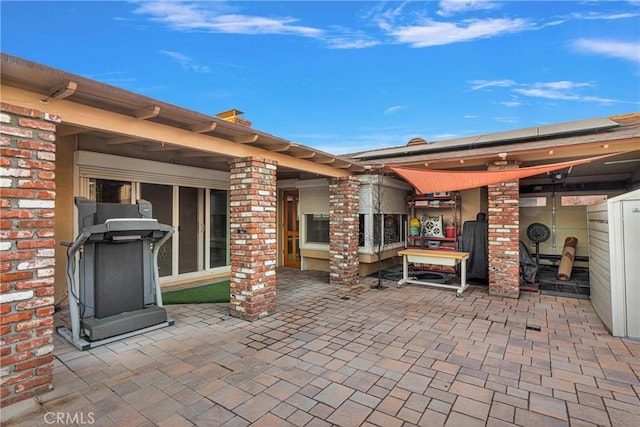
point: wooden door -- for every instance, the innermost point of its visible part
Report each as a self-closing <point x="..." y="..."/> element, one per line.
<point x="290" y="229"/>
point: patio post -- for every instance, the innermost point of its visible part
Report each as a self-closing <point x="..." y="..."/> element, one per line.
<point x="27" y="248"/>
<point x="253" y="237"/>
<point x="344" y="201"/>
<point x="504" y="234"/>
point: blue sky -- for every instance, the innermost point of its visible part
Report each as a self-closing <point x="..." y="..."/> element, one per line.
<point x="350" y="76"/>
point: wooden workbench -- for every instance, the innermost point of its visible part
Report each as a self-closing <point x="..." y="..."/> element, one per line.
<point x="426" y="256"/>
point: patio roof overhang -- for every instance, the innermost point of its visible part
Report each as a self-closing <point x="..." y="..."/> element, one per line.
<point x="117" y="118"/>
<point x="618" y="136"/>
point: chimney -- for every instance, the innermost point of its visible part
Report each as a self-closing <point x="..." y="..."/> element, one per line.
<point x="234" y="116"/>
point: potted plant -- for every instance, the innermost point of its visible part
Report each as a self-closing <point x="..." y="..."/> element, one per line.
<point x="450" y="229"/>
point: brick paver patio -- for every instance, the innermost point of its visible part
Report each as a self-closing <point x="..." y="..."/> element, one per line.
<point x="393" y="357"/>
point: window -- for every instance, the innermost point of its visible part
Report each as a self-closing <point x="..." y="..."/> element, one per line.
<point x="527" y="202"/>
<point x="109" y="191"/>
<point x="219" y="229"/>
<point x="387" y="230"/>
<point x="582" y="200"/>
<point x="393" y="228"/>
<point x="317" y="228"/>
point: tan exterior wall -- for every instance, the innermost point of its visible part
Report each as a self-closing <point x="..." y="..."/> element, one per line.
<point x="64" y="209"/>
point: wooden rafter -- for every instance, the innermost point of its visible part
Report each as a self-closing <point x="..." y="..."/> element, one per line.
<point x="147" y="112"/>
<point x="327" y="161"/>
<point x="279" y="148"/>
<point x="307" y="155"/>
<point x="246" y="139"/>
<point x="204" y="127"/>
<point x="67" y="89"/>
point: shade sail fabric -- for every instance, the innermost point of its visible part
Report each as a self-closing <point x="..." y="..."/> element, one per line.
<point x="435" y="181"/>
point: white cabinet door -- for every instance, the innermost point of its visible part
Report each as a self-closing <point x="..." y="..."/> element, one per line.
<point x="631" y="236"/>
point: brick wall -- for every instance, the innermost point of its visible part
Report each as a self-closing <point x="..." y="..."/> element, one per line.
<point x="27" y="196"/>
<point x="253" y="238"/>
<point x="504" y="235"/>
<point x="344" y="199"/>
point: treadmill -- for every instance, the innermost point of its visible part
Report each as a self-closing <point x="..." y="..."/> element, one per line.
<point x="112" y="273"/>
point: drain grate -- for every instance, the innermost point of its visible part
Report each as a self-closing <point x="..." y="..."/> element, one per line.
<point x="533" y="328"/>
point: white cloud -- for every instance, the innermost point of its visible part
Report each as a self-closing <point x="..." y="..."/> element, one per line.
<point x="450" y="7"/>
<point x="434" y="33"/>
<point x="185" y="62"/>
<point x="512" y="103"/>
<point x="393" y="109"/>
<point x="506" y="119"/>
<point x="562" y="90"/>
<point x="483" y="84"/>
<point x="215" y="17"/>
<point x="622" y="50"/>
<point x="603" y="16"/>
<point x="353" y="42"/>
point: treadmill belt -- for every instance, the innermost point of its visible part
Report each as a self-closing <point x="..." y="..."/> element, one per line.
<point x="118" y="278"/>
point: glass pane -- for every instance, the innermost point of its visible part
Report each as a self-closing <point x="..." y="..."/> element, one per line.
<point x="361" y="232"/>
<point x="377" y="227"/>
<point x="219" y="233"/>
<point x="317" y="228"/>
<point x="188" y="230"/>
<point x="391" y="228"/>
<point x="109" y="191"/>
<point x="161" y="199"/>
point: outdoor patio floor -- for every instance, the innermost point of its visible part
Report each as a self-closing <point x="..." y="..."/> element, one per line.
<point x="393" y="357"/>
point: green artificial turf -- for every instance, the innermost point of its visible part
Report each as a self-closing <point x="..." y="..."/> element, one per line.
<point x="214" y="292"/>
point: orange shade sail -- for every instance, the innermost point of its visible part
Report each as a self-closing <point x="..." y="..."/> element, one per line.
<point x="435" y="181"/>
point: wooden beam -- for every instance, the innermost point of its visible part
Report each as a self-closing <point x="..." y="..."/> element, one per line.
<point x="120" y="140"/>
<point x="109" y="121"/>
<point x="161" y="147"/>
<point x="71" y="130"/>
<point x="191" y="153"/>
<point x="147" y="112"/>
<point x="246" y="139"/>
<point x="205" y="127"/>
<point x="67" y="89"/>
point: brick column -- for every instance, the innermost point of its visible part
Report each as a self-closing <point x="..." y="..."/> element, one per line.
<point x="504" y="235"/>
<point x="344" y="201"/>
<point x="253" y="238"/>
<point x="27" y="197"/>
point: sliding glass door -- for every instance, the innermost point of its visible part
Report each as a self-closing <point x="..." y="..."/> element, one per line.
<point x="161" y="199"/>
<point x="190" y="248"/>
<point x="198" y="244"/>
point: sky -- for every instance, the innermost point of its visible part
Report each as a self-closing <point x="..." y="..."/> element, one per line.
<point x="346" y="77"/>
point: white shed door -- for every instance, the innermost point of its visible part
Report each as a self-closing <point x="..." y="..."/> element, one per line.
<point x="631" y="233"/>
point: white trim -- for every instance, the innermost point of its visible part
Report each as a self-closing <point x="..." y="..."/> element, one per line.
<point x="107" y="166"/>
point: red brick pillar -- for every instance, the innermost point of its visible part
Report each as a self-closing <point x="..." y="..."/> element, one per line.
<point x="504" y="235"/>
<point x="344" y="201"/>
<point x="27" y="197"/>
<point x="253" y="238"/>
